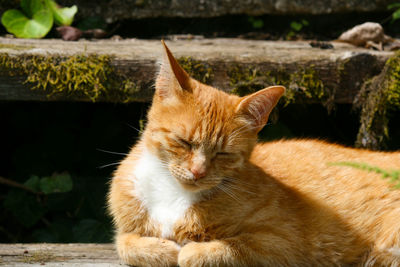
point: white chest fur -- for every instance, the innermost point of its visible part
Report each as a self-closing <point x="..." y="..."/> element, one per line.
<point x="160" y="193"/>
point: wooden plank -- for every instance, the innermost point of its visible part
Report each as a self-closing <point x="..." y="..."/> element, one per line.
<point x="68" y="255"/>
<point x="119" y="10"/>
<point x="342" y="70"/>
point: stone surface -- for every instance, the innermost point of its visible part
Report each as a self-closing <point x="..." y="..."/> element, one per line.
<point x="68" y="255"/>
<point x="362" y="34"/>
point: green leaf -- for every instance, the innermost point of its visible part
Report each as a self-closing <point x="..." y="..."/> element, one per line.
<point x="22" y="27"/>
<point x="396" y="15"/>
<point x="296" y="26"/>
<point x="394" y="5"/>
<point x="24" y="207"/>
<point x="58" y="183"/>
<point x="393" y="174"/>
<point x="63" y="16"/>
<point x="30" y="7"/>
<point x="256" y="23"/>
<point x="33" y="183"/>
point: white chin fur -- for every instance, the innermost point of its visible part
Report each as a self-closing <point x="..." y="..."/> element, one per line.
<point x="160" y="193"/>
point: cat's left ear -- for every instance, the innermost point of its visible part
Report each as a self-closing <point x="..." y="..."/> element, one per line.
<point x="255" y="108"/>
<point x="172" y="78"/>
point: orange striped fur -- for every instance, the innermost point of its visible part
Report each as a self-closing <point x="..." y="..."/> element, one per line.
<point x="197" y="190"/>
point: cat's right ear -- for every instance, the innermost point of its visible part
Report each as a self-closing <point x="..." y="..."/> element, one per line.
<point x="172" y="79"/>
<point x="255" y="108"/>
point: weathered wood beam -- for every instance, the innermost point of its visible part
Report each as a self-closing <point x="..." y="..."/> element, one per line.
<point x="118" y="10"/>
<point x="228" y="64"/>
<point x="67" y="255"/>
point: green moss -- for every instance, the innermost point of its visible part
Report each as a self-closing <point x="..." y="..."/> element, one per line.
<point x="90" y="76"/>
<point x="378" y="98"/>
<point x="246" y="80"/>
<point x="307" y="83"/>
<point x="303" y="84"/>
<point x="197" y="69"/>
<point x="38" y="257"/>
<point x="393" y="85"/>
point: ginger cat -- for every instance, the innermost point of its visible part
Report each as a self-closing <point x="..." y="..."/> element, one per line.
<point x="197" y="190"/>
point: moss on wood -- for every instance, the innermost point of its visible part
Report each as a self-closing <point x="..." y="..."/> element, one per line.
<point x="303" y="84"/>
<point x="378" y="98"/>
<point x="90" y="76"/>
<point x="197" y="69"/>
<point x="38" y="257"/>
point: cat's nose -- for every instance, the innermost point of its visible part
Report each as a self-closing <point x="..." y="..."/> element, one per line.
<point x="198" y="173"/>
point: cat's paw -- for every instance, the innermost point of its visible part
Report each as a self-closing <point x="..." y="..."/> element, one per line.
<point x="191" y="255"/>
<point x="203" y="254"/>
<point x="147" y="251"/>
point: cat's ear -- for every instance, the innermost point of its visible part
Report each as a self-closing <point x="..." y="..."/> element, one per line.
<point x="255" y="108"/>
<point x="172" y="78"/>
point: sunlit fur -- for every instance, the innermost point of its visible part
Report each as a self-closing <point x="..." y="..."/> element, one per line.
<point x="273" y="204"/>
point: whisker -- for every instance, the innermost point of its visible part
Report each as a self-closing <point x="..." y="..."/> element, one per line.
<point x="164" y="163"/>
<point x="241" y="185"/>
<point x="228" y="192"/>
<point x="238" y="188"/>
<point x="241" y="182"/>
<point x="139" y="131"/>
<point x="111" y="152"/>
<point x="108" y="165"/>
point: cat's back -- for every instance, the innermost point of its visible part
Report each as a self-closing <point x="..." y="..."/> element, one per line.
<point x="314" y="164"/>
<point x="302" y="154"/>
<point x="363" y="198"/>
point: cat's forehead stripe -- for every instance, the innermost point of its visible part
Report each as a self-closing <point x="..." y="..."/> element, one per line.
<point x="192" y="133"/>
<point x="209" y="128"/>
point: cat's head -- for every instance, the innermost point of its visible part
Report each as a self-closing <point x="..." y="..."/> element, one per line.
<point x="201" y="134"/>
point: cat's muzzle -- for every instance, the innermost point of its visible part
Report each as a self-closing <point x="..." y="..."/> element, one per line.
<point x="182" y="174"/>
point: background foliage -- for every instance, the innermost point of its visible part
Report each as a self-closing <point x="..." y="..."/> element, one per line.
<point x="52" y="148"/>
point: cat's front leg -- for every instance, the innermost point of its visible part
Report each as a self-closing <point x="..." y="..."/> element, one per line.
<point x="146" y="251"/>
<point x="261" y="249"/>
<point x="213" y="253"/>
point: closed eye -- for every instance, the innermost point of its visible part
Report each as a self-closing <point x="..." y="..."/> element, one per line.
<point x="224" y="154"/>
<point x="227" y="156"/>
<point x="184" y="142"/>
